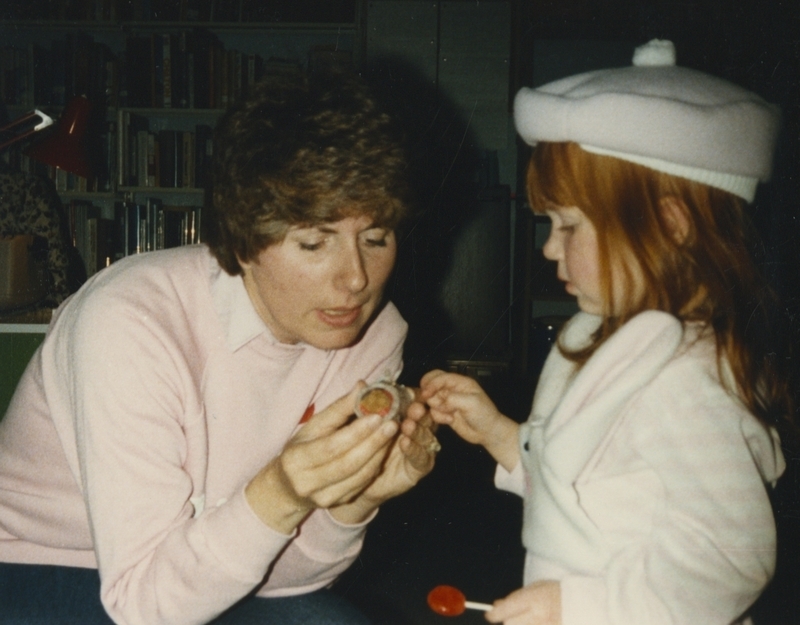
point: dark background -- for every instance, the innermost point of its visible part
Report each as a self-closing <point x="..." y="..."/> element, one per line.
<point x="455" y="527"/>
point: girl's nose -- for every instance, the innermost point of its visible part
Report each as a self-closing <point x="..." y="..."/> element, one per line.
<point x="552" y="246"/>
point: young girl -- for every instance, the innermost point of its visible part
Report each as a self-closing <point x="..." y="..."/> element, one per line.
<point x="647" y="458"/>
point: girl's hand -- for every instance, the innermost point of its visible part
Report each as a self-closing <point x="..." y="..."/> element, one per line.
<point x="536" y="604"/>
<point x="461" y="403"/>
<point x="410" y="458"/>
<point x="326" y="463"/>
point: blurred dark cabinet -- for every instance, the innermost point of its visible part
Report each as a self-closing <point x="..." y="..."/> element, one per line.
<point x="475" y="292"/>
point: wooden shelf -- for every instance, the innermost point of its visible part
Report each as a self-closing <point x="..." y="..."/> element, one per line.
<point x="25" y="322"/>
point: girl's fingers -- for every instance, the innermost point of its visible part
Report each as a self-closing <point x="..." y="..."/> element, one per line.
<point x="538" y="603"/>
<point x="444" y="383"/>
<point x="430" y="376"/>
<point x="505" y="609"/>
<point x="434" y="386"/>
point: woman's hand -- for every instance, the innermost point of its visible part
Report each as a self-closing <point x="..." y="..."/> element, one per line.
<point x="410" y="458"/>
<point x="324" y="464"/>
<point x="461" y="403"/>
<point x="536" y="604"/>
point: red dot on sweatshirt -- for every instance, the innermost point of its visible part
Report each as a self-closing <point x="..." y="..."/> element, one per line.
<point x="307" y="414"/>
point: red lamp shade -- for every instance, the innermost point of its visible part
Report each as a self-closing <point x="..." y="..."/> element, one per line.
<point x="65" y="148"/>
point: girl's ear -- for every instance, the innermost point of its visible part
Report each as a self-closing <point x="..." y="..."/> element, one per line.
<point x="676" y="217"/>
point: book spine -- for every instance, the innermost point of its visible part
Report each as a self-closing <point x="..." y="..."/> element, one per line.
<point x="135" y="228"/>
<point x="91" y="246"/>
<point x="151" y="159"/>
<point x="142" y="138"/>
<point x="156" y="72"/>
<point x="119" y="237"/>
<point x="123" y="118"/>
<point x="166" y="158"/>
<point x="166" y="69"/>
<point x="188" y="159"/>
<point x="178" y="165"/>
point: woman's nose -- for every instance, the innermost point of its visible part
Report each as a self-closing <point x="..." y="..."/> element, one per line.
<point x="352" y="271"/>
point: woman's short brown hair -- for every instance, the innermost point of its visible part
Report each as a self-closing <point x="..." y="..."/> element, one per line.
<point x="302" y="149"/>
<point x="708" y="275"/>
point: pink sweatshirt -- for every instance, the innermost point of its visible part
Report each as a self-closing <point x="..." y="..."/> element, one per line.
<point x="157" y="394"/>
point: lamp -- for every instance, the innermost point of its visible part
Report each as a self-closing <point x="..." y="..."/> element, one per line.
<point x="25" y="278"/>
<point x="65" y="148"/>
<point x="22" y="126"/>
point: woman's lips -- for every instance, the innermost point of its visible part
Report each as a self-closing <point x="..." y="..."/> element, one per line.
<point x="339" y="317"/>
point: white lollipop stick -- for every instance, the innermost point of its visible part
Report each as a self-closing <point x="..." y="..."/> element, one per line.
<point x="474" y="605"/>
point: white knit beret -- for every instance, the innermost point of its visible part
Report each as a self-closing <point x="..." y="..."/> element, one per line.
<point x="671" y="119"/>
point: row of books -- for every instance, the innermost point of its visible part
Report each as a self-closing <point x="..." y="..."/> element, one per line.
<point x="154" y="226"/>
<point x="184" y="10"/>
<point x="43" y="76"/>
<point x="166" y="158"/>
<point x="127" y="154"/>
<point x="185" y="69"/>
<point x="135" y="228"/>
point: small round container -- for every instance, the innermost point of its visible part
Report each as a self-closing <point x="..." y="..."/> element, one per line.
<point x="386" y="399"/>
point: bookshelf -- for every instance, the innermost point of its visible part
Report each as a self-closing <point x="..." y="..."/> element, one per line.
<point x="158" y="79"/>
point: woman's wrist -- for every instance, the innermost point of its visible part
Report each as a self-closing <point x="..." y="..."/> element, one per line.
<point x="355" y="512"/>
<point x="274" y="501"/>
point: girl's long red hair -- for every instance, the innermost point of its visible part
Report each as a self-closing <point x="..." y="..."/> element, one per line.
<point x="706" y="276"/>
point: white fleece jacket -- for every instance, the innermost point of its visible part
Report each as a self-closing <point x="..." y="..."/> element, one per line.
<point x="645" y="481"/>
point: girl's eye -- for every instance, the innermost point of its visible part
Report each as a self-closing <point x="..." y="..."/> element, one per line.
<point x="377" y="242"/>
<point x="567" y="229"/>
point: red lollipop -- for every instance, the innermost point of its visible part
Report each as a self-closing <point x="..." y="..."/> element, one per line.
<point x="450" y="601"/>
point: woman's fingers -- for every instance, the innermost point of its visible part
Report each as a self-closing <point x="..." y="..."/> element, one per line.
<point x="333" y="417"/>
<point x="419" y="442"/>
<point x="421" y="431"/>
<point x="420" y="457"/>
<point x="338" y="458"/>
<point x="349" y="487"/>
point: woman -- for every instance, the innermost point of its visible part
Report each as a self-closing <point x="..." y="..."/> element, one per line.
<point x="161" y="434"/>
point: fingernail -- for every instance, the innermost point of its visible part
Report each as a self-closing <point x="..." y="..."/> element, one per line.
<point x="372" y="420"/>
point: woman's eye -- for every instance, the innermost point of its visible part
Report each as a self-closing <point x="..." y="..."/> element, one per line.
<point x="376" y="238"/>
<point x="310" y="247"/>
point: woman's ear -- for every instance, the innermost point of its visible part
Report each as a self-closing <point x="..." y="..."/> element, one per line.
<point x="242" y="263"/>
<point x="676" y="217"/>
